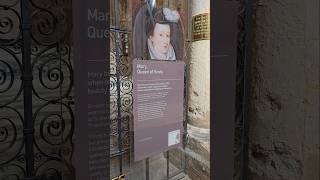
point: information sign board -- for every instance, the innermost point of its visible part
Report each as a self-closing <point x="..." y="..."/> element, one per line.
<point x="158" y="88"/>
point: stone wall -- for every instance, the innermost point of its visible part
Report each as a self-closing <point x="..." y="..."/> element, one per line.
<point x="284" y="111"/>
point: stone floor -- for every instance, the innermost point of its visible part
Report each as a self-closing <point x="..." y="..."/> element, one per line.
<point x="157" y="169"/>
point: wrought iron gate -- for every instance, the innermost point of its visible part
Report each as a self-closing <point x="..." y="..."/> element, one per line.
<point x="36" y="92"/>
<point x="36" y="81"/>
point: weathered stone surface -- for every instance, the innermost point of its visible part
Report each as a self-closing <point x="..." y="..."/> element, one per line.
<point x="284" y="111"/>
<point x="197" y="166"/>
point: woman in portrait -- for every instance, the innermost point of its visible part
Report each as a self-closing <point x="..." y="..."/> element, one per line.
<point x="157" y="34"/>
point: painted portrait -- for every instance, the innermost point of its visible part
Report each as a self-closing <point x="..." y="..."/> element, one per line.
<point x="157" y="33"/>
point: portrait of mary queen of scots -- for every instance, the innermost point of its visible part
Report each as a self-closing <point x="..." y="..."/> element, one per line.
<point x="157" y="34"/>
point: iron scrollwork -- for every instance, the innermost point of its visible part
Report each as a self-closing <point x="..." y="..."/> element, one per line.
<point x="11" y="120"/>
<point x="10" y="134"/>
<point x="126" y="99"/>
<point x="52" y="89"/>
<point x="52" y="66"/>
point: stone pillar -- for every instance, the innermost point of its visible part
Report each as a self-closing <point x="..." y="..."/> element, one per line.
<point x="199" y="82"/>
<point x="199" y="79"/>
<point x="198" y="148"/>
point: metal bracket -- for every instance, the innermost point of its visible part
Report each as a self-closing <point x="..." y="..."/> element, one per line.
<point x="26" y="26"/>
<point x="186" y="138"/>
<point x="121" y="177"/>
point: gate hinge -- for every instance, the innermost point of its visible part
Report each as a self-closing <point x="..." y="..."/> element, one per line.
<point x="186" y="137"/>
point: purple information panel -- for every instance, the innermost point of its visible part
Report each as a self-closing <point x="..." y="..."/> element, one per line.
<point x="158" y="88"/>
<point x="91" y="85"/>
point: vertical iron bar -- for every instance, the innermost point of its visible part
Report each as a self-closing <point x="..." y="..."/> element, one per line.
<point x="246" y="102"/>
<point x="60" y="92"/>
<point x="147" y="169"/>
<point x="152" y="19"/>
<point x="26" y="78"/>
<point x="185" y="122"/>
<point x="117" y="24"/>
<point x="168" y="164"/>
